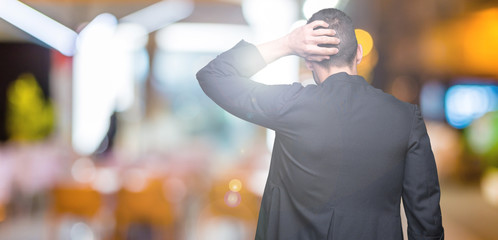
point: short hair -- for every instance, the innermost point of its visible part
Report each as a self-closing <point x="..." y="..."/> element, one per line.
<point x="343" y="26"/>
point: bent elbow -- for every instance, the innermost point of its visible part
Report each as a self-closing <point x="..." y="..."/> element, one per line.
<point x="201" y="75"/>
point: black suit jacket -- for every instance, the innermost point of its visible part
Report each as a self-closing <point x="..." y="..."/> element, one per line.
<point x="345" y="154"/>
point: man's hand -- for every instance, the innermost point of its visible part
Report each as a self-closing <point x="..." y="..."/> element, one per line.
<point x="303" y="42"/>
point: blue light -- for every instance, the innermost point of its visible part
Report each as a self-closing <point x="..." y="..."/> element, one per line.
<point x="464" y="103"/>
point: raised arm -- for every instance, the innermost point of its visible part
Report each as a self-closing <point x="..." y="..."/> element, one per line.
<point x="421" y="191"/>
<point x="226" y="79"/>
<point x="303" y="42"/>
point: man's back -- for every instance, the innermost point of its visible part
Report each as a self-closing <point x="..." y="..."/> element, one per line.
<point x="339" y="153"/>
<point x="344" y="154"/>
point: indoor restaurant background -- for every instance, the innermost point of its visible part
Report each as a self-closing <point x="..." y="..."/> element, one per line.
<point x="106" y="134"/>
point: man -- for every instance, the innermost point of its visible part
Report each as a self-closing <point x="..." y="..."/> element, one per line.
<point x="344" y="153"/>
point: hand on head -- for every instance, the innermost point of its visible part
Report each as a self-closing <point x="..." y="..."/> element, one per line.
<point x="304" y="41"/>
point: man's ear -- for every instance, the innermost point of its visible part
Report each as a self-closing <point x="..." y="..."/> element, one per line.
<point x="359" y="54"/>
<point x="309" y="65"/>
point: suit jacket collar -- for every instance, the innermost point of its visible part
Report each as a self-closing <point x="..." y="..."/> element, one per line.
<point x="344" y="77"/>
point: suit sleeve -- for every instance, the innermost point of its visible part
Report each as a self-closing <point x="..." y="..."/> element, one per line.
<point x="226" y="80"/>
<point x="421" y="191"/>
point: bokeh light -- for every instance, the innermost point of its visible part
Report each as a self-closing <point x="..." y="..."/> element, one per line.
<point x="94" y="86"/>
<point x="447" y="147"/>
<point x="464" y="103"/>
<point x="262" y="14"/>
<point x="30" y="117"/>
<point x="235" y="185"/>
<point x="312" y="6"/>
<point x="489" y="186"/>
<point x="222" y="228"/>
<point x="404" y="88"/>
<point x="83" y="170"/>
<point x="482" y="137"/>
<point x="257" y="181"/>
<point x="367" y="64"/>
<point x="232" y="199"/>
<point x="365" y="39"/>
<point x="2" y="213"/>
<point x="106" y="181"/>
<point x="184" y="37"/>
<point x="477" y="50"/>
<point x="135" y="180"/>
<point x="81" y="231"/>
<point x="298" y="23"/>
<point x="171" y="164"/>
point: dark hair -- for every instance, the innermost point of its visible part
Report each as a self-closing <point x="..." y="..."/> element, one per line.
<point x="343" y="25"/>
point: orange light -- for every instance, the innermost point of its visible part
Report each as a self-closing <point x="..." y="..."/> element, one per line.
<point x="232" y="199"/>
<point x="478" y="40"/>
<point x="466" y="46"/>
<point x="365" y="39"/>
<point x="367" y="64"/>
<point x="2" y="213"/>
<point x="235" y="185"/>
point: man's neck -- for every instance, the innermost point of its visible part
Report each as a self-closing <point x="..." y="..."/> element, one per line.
<point x="324" y="73"/>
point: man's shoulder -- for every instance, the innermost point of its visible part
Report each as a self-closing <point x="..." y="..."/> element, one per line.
<point x="388" y="100"/>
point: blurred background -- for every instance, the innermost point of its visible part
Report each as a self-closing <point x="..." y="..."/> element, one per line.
<point x="105" y="133"/>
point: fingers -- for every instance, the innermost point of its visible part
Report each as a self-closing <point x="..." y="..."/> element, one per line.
<point x="323" y="32"/>
<point x="319" y="56"/>
<point x="322" y="51"/>
<point x="316" y="58"/>
<point x="327" y="40"/>
<point x="323" y="35"/>
<point x="315" y="45"/>
<point x="318" y="23"/>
